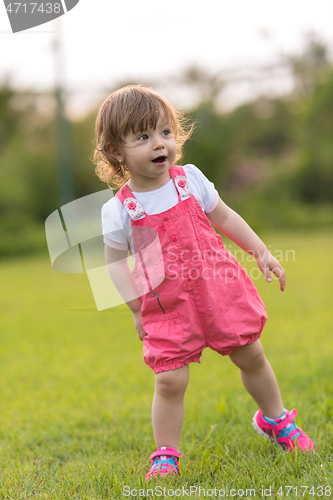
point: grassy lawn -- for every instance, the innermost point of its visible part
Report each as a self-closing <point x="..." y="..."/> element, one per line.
<point x="76" y="394"/>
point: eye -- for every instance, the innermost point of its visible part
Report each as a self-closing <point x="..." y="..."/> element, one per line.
<point x="166" y="132"/>
<point x="143" y="137"/>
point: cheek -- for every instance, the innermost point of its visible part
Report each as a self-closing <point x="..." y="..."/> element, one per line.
<point x="134" y="160"/>
<point x="172" y="146"/>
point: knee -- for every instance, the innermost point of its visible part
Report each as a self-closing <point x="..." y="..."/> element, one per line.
<point x="172" y="383"/>
<point x="250" y="357"/>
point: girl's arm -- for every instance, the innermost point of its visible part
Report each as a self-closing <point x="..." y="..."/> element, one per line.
<point x="236" y="229"/>
<point x="119" y="272"/>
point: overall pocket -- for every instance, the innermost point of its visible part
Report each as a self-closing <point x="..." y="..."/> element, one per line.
<point x="163" y="329"/>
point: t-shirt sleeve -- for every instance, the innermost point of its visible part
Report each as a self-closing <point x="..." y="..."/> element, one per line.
<point x="112" y="227"/>
<point x="207" y="194"/>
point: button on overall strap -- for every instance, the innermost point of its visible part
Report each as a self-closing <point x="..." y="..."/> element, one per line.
<point x="131" y="204"/>
<point x="180" y="180"/>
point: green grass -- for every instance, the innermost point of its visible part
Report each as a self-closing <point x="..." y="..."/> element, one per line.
<point x="76" y="394"/>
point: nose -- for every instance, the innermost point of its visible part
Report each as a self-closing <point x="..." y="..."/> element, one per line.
<point x="158" y="142"/>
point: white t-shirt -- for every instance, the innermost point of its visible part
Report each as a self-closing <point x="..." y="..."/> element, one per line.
<point x="116" y="223"/>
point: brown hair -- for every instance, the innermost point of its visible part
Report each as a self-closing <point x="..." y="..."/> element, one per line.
<point x="131" y="109"/>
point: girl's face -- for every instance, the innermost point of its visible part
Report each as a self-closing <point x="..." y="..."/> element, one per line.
<point x="148" y="156"/>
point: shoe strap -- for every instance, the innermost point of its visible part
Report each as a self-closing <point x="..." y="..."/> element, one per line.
<point x="289" y="418"/>
<point x="163" y="464"/>
<point x="168" y="451"/>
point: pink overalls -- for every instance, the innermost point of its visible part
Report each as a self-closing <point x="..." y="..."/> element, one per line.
<point x="194" y="293"/>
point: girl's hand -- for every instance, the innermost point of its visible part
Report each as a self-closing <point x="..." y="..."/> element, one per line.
<point x="138" y="324"/>
<point x="267" y="263"/>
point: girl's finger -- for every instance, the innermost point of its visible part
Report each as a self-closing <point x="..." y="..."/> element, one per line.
<point x="280" y="273"/>
<point x="267" y="274"/>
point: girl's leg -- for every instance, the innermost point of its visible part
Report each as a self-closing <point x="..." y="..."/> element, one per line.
<point x="168" y="406"/>
<point x="259" y="379"/>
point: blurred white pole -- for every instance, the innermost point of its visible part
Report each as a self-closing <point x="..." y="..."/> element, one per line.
<point x="64" y="143"/>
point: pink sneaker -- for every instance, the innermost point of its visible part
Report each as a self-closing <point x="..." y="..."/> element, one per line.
<point x="165" y="460"/>
<point x="283" y="430"/>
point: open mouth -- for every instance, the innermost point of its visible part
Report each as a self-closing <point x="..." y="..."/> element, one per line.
<point x="160" y="159"/>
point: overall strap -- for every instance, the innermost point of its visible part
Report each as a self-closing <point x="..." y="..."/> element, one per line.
<point x="130" y="203"/>
<point x="181" y="183"/>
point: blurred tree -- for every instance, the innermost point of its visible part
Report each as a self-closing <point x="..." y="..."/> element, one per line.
<point x="234" y="150"/>
<point x="83" y="136"/>
<point x="9" y="117"/>
<point x="307" y="67"/>
<point x="208" y="147"/>
<point x="314" y="179"/>
<point x="261" y="127"/>
<point x="208" y="86"/>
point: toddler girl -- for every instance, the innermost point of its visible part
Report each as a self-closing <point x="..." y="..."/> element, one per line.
<point x="186" y="291"/>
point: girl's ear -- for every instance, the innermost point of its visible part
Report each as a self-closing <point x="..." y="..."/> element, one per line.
<point x="113" y="152"/>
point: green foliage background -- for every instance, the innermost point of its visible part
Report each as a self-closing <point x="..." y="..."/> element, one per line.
<point x="271" y="159"/>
